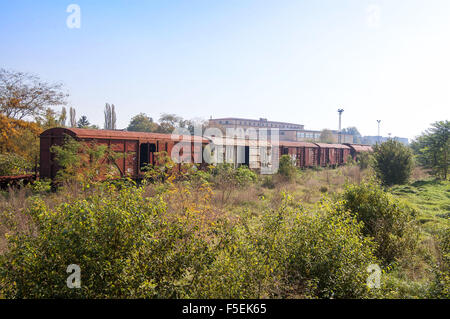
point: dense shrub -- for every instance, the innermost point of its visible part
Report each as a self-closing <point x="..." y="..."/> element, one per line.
<point x="328" y="255"/>
<point x="129" y="245"/>
<point x="291" y="253"/>
<point x="286" y="167"/>
<point x="125" y="244"/>
<point x="13" y="164"/>
<point x="392" y="162"/>
<point x="386" y="219"/>
<point x="363" y="159"/>
<point x="227" y="179"/>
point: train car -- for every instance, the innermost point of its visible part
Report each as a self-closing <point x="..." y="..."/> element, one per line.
<point x="138" y="148"/>
<point x="355" y="149"/>
<point x="304" y="154"/>
<point x="255" y="154"/>
<point x="333" y="154"/>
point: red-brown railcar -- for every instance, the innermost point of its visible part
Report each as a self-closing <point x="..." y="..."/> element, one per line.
<point x="138" y="148"/>
<point x="355" y="149"/>
<point x="303" y="153"/>
<point x="333" y="154"/>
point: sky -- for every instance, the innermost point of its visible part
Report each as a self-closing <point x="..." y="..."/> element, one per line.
<point x="294" y="61"/>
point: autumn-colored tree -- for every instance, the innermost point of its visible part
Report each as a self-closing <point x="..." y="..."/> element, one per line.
<point x="12" y="128"/>
<point x="26" y="96"/>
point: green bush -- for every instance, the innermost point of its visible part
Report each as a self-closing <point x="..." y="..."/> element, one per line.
<point x="363" y="159"/>
<point x="13" y="164"/>
<point x="286" y="167"/>
<point x="389" y="221"/>
<point x="268" y="182"/>
<point x="227" y="179"/>
<point x="125" y="244"/>
<point x="328" y="256"/>
<point x="392" y="162"/>
<point x="291" y="253"/>
<point x="41" y="186"/>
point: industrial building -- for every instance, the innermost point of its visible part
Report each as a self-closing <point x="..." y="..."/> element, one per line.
<point x="287" y="131"/>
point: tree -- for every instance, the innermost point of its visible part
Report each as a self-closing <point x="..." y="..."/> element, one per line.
<point x="353" y="131"/>
<point x="24" y="95"/>
<point x="168" y="122"/>
<point x="326" y="136"/>
<point x="83" y="122"/>
<point x="433" y="148"/>
<point x="142" y="123"/>
<point x="49" y="119"/>
<point x="392" y="162"/>
<point x="19" y="137"/>
<point x="63" y="117"/>
<point x="110" y="117"/>
<point x="73" y="119"/>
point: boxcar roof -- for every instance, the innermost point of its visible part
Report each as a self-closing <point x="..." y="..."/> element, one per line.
<point x="111" y="134"/>
<point x="297" y="144"/>
<point x="325" y="145"/>
<point x="235" y="141"/>
<point x="361" y="148"/>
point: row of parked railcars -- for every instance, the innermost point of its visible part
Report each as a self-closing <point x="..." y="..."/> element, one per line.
<point x="305" y="154"/>
<point x="139" y="149"/>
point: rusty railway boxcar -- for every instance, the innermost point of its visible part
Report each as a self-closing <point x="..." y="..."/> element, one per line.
<point x="303" y="153"/>
<point x="355" y="149"/>
<point x="139" y="148"/>
<point x="333" y="154"/>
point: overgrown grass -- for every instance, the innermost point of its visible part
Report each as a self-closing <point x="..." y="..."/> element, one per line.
<point x="432" y="198"/>
<point x="257" y="257"/>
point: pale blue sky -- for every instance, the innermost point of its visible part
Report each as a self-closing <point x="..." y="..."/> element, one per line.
<point x="295" y="61"/>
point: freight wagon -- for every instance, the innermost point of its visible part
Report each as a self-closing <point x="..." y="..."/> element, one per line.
<point x="303" y="154"/>
<point x="137" y="148"/>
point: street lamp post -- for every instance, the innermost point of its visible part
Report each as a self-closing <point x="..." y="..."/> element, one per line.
<point x="340" y="133"/>
<point x="379" y="137"/>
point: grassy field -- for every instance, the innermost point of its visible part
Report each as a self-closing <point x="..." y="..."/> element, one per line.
<point x="432" y="198"/>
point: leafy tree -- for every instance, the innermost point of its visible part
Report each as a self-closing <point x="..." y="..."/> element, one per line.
<point x="49" y="119"/>
<point x="142" y="123"/>
<point x="12" y="130"/>
<point x="24" y="95"/>
<point x="83" y="122"/>
<point x="73" y="119"/>
<point x="392" y="162"/>
<point x="110" y="117"/>
<point x="63" y="117"/>
<point x="433" y="148"/>
<point x="353" y="131"/>
<point x="326" y="136"/>
<point x="168" y="122"/>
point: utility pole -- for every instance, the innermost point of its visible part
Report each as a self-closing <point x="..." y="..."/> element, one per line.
<point x="340" y="133"/>
<point x="379" y="137"/>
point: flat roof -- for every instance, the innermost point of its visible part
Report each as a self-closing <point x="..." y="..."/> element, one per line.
<point x="262" y="121"/>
